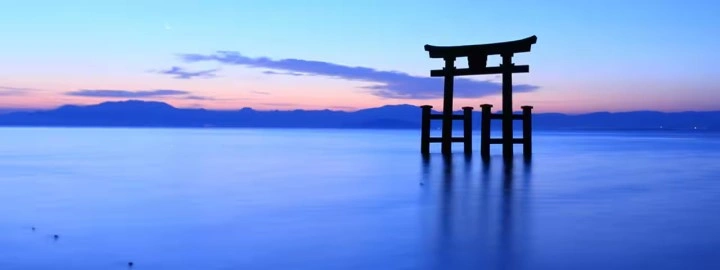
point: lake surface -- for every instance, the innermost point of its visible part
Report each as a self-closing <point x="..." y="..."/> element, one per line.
<point x="354" y="199"/>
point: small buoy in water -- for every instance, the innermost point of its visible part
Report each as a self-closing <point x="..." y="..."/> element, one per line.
<point x="56" y="236"/>
<point x="421" y="183"/>
<point x="33" y="228"/>
<point x="130" y="264"/>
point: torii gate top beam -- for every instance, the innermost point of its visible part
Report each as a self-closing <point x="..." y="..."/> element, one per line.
<point x="477" y="56"/>
<point x="508" y="47"/>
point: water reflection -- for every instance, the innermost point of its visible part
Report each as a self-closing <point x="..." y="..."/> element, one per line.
<point x="479" y="210"/>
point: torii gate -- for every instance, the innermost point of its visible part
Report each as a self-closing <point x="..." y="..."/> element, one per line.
<point x="477" y="65"/>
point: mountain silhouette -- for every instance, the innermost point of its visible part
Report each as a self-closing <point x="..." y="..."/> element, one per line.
<point x="137" y="113"/>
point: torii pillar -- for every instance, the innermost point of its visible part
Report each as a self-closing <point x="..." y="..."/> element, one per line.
<point x="477" y="65"/>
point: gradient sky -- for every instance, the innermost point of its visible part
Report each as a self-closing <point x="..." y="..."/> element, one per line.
<point x="590" y="55"/>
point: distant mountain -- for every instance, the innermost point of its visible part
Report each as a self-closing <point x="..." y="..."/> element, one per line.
<point x="136" y="113"/>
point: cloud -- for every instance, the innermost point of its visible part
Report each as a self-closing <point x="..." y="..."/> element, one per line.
<point x="166" y="93"/>
<point x="191" y="97"/>
<point x="126" y="93"/>
<point x="260" y="92"/>
<point x="181" y="73"/>
<point x="270" y="72"/>
<point x="281" y="104"/>
<point x="387" y="84"/>
<point x="342" y="107"/>
<point x="15" y="91"/>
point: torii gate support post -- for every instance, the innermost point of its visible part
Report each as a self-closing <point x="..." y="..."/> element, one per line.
<point x="485" y="131"/>
<point x="447" y="120"/>
<point x="527" y="131"/>
<point x="507" y="108"/>
<point x="467" y="129"/>
<point x="425" y="130"/>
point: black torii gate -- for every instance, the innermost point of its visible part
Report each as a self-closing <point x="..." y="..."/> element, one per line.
<point x="477" y="65"/>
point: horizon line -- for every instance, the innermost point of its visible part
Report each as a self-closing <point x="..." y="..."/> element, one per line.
<point x="6" y="110"/>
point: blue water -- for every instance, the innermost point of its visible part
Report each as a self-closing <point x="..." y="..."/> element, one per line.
<point x="353" y="199"/>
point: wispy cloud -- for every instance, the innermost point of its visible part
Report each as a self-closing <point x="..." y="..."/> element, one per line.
<point x="181" y="73"/>
<point x="126" y="93"/>
<point x="165" y="93"/>
<point x="387" y="84"/>
<point x="343" y="107"/>
<point x="281" y="104"/>
<point x="260" y="92"/>
<point x="192" y="97"/>
<point x="270" y="72"/>
<point x="15" y="91"/>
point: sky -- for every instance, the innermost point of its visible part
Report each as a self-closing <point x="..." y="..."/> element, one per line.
<point x="612" y="55"/>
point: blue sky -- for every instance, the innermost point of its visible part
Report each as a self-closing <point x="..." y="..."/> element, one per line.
<point x="590" y="56"/>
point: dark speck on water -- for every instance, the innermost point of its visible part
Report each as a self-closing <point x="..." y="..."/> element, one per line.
<point x="347" y="199"/>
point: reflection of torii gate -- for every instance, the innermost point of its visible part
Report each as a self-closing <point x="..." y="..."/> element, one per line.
<point x="477" y="65"/>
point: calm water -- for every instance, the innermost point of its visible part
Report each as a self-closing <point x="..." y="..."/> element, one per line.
<point x="333" y="199"/>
